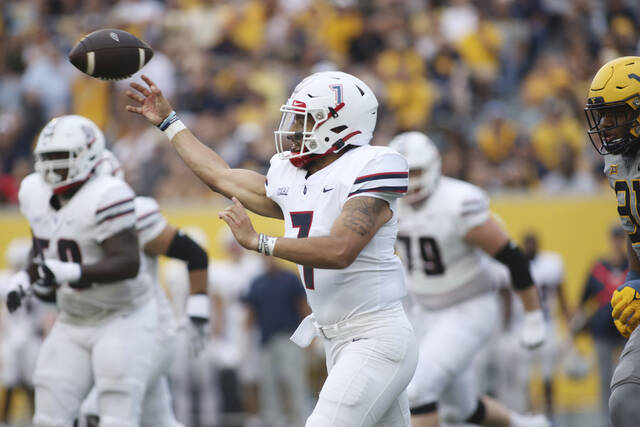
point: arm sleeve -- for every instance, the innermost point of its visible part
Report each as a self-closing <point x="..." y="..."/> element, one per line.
<point x="149" y="220"/>
<point x="115" y="212"/>
<point x="384" y="177"/>
<point x="473" y="209"/>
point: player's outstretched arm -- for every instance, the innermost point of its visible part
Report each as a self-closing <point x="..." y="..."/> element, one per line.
<point x="246" y="185"/>
<point x="360" y="219"/>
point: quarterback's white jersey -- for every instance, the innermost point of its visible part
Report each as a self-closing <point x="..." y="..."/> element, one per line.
<point x="624" y="178"/>
<point x="102" y="207"/>
<point x="431" y="240"/>
<point x="310" y="206"/>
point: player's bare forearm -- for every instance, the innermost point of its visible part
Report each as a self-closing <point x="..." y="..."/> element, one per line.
<point x="248" y="186"/>
<point x="360" y="219"/>
<point x="529" y="297"/>
<point x="121" y="259"/>
<point x="634" y="263"/>
<point x="198" y="281"/>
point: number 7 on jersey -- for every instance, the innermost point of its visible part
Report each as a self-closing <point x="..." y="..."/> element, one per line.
<point x="302" y="221"/>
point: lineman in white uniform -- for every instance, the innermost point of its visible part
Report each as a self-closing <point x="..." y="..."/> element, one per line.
<point x="446" y="232"/>
<point x="157" y="237"/>
<point x="338" y="198"/>
<point x="89" y="262"/>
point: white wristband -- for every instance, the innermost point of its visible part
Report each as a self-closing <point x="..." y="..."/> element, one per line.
<point x="266" y="244"/>
<point x="173" y="129"/>
<point x="198" y="306"/>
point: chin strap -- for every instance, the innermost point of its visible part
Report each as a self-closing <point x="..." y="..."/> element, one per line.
<point x="337" y="146"/>
<point x="61" y="190"/>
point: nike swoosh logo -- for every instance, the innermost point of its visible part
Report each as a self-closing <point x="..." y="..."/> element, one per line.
<point x="324" y="190"/>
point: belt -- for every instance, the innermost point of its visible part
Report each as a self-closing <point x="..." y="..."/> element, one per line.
<point x="309" y="328"/>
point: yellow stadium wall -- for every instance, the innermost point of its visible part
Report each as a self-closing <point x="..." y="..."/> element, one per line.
<point x="575" y="227"/>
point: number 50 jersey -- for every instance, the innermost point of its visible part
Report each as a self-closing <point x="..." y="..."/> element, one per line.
<point x="310" y="206"/>
<point x="624" y="178"/>
<point x="102" y="207"/>
<point x="443" y="268"/>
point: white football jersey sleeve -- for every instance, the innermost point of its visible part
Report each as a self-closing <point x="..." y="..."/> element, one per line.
<point x="432" y="239"/>
<point x="102" y="207"/>
<point x="310" y="206"/>
<point x="115" y="212"/>
<point x="387" y="186"/>
<point x="149" y="220"/>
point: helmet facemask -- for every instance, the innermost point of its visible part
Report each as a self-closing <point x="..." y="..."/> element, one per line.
<point x="299" y="125"/>
<point x="57" y="168"/>
<point x="614" y="127"/>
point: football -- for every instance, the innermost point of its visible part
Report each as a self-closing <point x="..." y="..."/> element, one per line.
<point x="110" y="54"/>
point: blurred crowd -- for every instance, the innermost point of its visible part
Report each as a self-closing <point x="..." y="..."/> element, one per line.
<point x="499" y="84"/>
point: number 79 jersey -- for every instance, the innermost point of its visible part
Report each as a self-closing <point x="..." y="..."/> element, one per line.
<point x="102" y="207"/>
<point x="310" y="206"/>
<point x="624" y="178"/>
<point x="432" y="238"/>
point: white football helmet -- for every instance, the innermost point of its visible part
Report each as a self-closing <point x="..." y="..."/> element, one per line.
<point x="109" y="165"/>
<point x="325" y="112"/>
<point x="67" y="150"/>
<point x="421" y="154"/>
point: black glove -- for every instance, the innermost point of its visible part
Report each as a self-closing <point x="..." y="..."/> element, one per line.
<point x="16" y="286"/>
<point x="45" y="287"/>
<point x="14" y="300"/>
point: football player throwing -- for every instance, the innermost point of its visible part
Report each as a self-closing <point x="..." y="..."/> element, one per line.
<point x="338" y="198"/>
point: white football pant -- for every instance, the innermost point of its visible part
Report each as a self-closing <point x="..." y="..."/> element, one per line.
<point x="114" y="354"/>
<point x="370" y="362"/>
<point x="449" y="339"/>
<point x="157" y="408"/>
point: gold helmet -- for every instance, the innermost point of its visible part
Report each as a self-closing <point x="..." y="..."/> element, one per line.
<point x="613" y="106"/>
